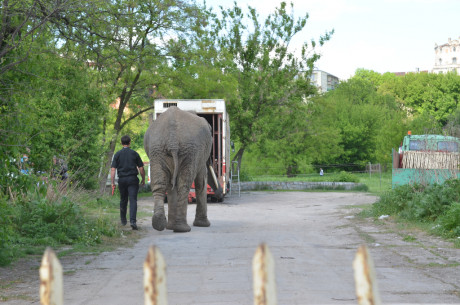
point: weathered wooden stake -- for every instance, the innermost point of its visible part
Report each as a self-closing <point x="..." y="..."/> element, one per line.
<point x="263" y="267"/>
<point x="155" y="291"/>
<point x="263" y="270"/>
<point x="365" y="280"/>
<point x="51" y="282"/>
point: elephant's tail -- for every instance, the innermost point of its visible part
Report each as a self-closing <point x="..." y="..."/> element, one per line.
<point x="173" y="144"/>
<point x="176" y="166"/>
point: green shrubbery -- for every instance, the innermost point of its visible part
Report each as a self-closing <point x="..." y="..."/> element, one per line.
<point x="344" y="176"/>
<point x="31" y="222"/>
<point x="437" y="204"/>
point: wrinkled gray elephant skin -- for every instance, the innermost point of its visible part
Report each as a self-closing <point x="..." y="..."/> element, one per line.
<point x="178" y="144"/>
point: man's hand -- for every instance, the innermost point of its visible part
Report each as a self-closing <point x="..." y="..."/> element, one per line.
<point x="112" y="176"/>
<point x="142" y="171"/>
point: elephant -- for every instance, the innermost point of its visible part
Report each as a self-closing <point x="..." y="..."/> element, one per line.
<point x="178" y="144"/>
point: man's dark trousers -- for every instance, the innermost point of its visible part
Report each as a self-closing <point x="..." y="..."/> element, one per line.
<point x="129" y="187"/>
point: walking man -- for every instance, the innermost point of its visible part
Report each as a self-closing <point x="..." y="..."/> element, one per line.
<point x="128" y="163"/>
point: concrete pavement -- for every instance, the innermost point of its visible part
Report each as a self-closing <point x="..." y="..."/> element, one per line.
<point x="313" y="238"/>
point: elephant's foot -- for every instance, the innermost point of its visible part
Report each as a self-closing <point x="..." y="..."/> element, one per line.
<point x="181" y="228"/>
<point x="201" y="222"/>
<point x="159" y="222"/>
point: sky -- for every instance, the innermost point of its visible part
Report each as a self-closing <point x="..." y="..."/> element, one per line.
<point x="379" y="35"/>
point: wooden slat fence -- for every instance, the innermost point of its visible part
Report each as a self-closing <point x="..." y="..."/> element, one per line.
<point x="431" y="160"/>
<point x="263" y="267"/>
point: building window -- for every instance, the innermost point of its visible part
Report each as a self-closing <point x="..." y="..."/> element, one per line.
<point x="440" y="61"/>
<point x="455" y="49"/>
<point x="454" y="60"/>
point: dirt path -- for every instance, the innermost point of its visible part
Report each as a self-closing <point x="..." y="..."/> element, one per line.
<point x="313" y="238"/>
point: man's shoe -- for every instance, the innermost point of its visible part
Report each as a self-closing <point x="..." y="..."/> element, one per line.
<point x="134" y="226"/>
<point x="123" y="222"/>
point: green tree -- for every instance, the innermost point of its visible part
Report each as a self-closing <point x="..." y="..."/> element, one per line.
<point x="24" y="36"/>
<point x="453" y="125"/>
<point x="126" y="43"/>
<point x="324" y="136"/>
<point x="434" y="94"/>
<point x="198" y="66"/>
<point x="368" y="122"/>
<point x="64" y="111"/>
<point x="24" y="21"/>
<point x="424" y="96"/>
<point x="266" y="70"/>
<point x="286" y="143"/>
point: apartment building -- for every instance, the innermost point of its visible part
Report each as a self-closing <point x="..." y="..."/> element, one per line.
<point x="447" y="57"/>
<point x="324" y="81"/>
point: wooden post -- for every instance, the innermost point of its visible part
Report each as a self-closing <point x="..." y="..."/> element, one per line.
<point x="365" y="281"/>
<point x="51" y="283"/>
<point x="263" y="270"/>
<point x="155" y="291"/>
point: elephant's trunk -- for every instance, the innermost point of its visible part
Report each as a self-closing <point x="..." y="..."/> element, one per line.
<point x="176" y="166"/>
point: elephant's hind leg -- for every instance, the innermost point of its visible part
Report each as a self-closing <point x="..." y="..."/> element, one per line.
<point x="172" y="208"/>
<point x="158" y="218"/>
<point x="180" y="223"/>
<point x="201" y="215"/>
<point x="158" y="192"/>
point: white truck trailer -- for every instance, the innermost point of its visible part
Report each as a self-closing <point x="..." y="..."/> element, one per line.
<point x="214" y="111"/>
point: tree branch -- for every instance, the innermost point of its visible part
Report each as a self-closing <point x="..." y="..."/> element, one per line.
<point x="135" y="116"/>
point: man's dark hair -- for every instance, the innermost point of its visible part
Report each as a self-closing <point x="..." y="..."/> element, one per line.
<point x="125" y="140"/>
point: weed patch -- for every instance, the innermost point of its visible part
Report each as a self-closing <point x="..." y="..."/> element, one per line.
<point x="435" y="205"/>
<point x="34" y="221"/>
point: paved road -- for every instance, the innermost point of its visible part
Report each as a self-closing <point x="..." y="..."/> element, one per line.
<point x="313" y="238"/>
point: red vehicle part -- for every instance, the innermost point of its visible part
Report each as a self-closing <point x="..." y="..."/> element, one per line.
<point x="192" y="193"/>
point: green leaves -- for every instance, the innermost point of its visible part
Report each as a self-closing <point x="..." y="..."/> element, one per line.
<point x="266" y="70"/>
<point x="421" y="94"/>
<point x="438" y="204"/>
<point x="364" y="123"/>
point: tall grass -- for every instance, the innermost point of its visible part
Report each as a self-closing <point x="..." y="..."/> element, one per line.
<point x="435" y="204"/>
<point x="49" y="215"/>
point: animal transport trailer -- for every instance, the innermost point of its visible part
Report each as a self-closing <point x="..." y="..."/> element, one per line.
<point x="215" y="113"/>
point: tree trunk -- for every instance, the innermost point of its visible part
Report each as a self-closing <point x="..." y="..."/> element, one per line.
<point x="103" y="156"/>
<point x="106" y="167"/>
<point x="292" y="169"/>
<point x="117" y="127"/>
<point x="238" y="157"/>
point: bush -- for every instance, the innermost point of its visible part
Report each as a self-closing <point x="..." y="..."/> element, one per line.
<point x="345" y="177"/>
<point x="434" y="203"/>
<point x="430" y="203"/>
<point x="244" y="177"/>
<point x="361" y="188"/>
<point x="449" y="222"/>
<point x="35" y="221"/>
<point x="60" y="222"/>
<point x="6" y="232"/>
